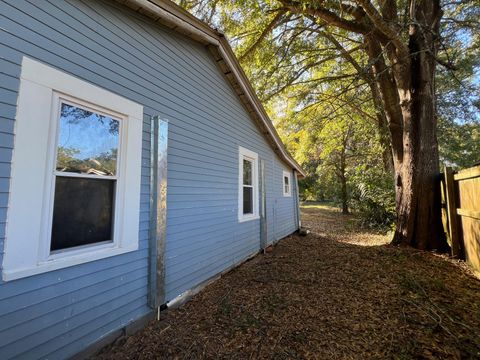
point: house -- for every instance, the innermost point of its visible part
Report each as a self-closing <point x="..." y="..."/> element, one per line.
<point x="136" y="164"/>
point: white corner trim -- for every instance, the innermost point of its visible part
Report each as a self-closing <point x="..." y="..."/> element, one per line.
<point x="27" y="248"/>
<point x="244" y="153"/>
<point x="287" y="174"/>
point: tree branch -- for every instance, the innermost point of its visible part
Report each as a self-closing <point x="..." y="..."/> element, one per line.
<point x="346" y="54"/>
<point x="326" y="15"/>
<point x="264" y="33"/>
<point x="446" y="64"/>
<point x="384" y="28"/>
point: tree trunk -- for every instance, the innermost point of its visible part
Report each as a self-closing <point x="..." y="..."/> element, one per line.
<point x="344" y="197"/>
<point x="416" y="173"/>
<point x="407" y="91"/>
<point x="382" y="126"/>
<point x="343" y="179"/>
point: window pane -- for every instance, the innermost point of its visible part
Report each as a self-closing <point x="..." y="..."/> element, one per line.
<point x="286" y="180"/>
<point x="82" y="212"/>
<point x="87" y="143"/>
<point x="247" y="200"/>
<point x="247" y="172"/>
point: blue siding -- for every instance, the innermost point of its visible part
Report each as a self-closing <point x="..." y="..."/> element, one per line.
<point x="57" y="314"/>
<point x="284" y="206"/>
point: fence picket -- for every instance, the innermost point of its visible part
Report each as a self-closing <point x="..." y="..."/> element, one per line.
<point x="452" y="212"/>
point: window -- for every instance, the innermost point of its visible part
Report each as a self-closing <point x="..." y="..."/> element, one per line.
<point x="75" y="174"/>
<point x="248" y="185"/>
<point x="85" y="177"/>
<point x="287" y="183"/>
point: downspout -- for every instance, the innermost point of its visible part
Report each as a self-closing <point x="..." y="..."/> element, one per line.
<point x="263" y="207"/>
<point x="158" y="212"/>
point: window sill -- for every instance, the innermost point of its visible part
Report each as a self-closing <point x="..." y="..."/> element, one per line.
<point x="63" y="262"/>
<point x="248" y="218"/>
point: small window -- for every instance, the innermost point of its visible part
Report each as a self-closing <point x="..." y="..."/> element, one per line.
<point x="248" y="183"/>
<point x="247" y="187"/>
<point x="287" y="186"/>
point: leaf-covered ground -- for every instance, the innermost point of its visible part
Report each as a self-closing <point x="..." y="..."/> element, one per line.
<point x="338" y="293"/>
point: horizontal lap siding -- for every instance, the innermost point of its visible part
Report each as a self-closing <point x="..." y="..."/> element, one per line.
<point x="285" y="205"/>
<point x="57" y="314"/>
<point x="8" y="82"/>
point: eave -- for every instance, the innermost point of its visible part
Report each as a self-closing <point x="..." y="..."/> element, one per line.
<point x="174" y="17"/>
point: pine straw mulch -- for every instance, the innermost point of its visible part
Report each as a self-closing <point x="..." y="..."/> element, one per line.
<point x="338" y="293"/>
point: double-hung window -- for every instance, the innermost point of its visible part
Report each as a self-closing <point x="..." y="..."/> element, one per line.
<point x="287" y="183"/>
<point x="76" y="169"/>
<point x="86" y="176"/>
<point x="248" y="185"/>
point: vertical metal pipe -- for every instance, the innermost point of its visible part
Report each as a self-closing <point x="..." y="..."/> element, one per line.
<point x="274" y="205"/>
<point x="161" y="208"/>
<point x="152" y="236"/>
<point x="158" y="211"/>
<point x="296" y="199"/>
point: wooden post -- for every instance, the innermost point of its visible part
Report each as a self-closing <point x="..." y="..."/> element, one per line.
<point x="443" y="193"/>
<point x="452" y="212"/>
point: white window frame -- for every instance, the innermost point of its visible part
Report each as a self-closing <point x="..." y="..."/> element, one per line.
<point x="288" y="175"/>
<point x="27" y="248"/>
<point x="245" y="154"/>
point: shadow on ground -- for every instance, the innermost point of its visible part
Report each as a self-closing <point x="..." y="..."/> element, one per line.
<point x="339" y="293"/>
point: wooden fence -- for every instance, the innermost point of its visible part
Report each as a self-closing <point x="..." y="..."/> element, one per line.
<point x="461" y="213"/>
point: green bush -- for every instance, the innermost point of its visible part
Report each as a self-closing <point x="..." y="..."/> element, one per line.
<point x="375" y="204"/>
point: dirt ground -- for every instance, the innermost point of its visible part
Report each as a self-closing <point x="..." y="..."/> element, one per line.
<point x="338" y="293"/>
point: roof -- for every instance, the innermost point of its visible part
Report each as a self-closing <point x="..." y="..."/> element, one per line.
<point x="174" y="17"/>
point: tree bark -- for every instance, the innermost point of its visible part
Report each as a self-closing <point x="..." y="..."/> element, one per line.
<point x="416" y="173"/>
<point x="407" y="91"/>
<point x="383" y="131"/>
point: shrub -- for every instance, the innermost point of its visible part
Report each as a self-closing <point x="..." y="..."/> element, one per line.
<point x="375" y="204"/>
